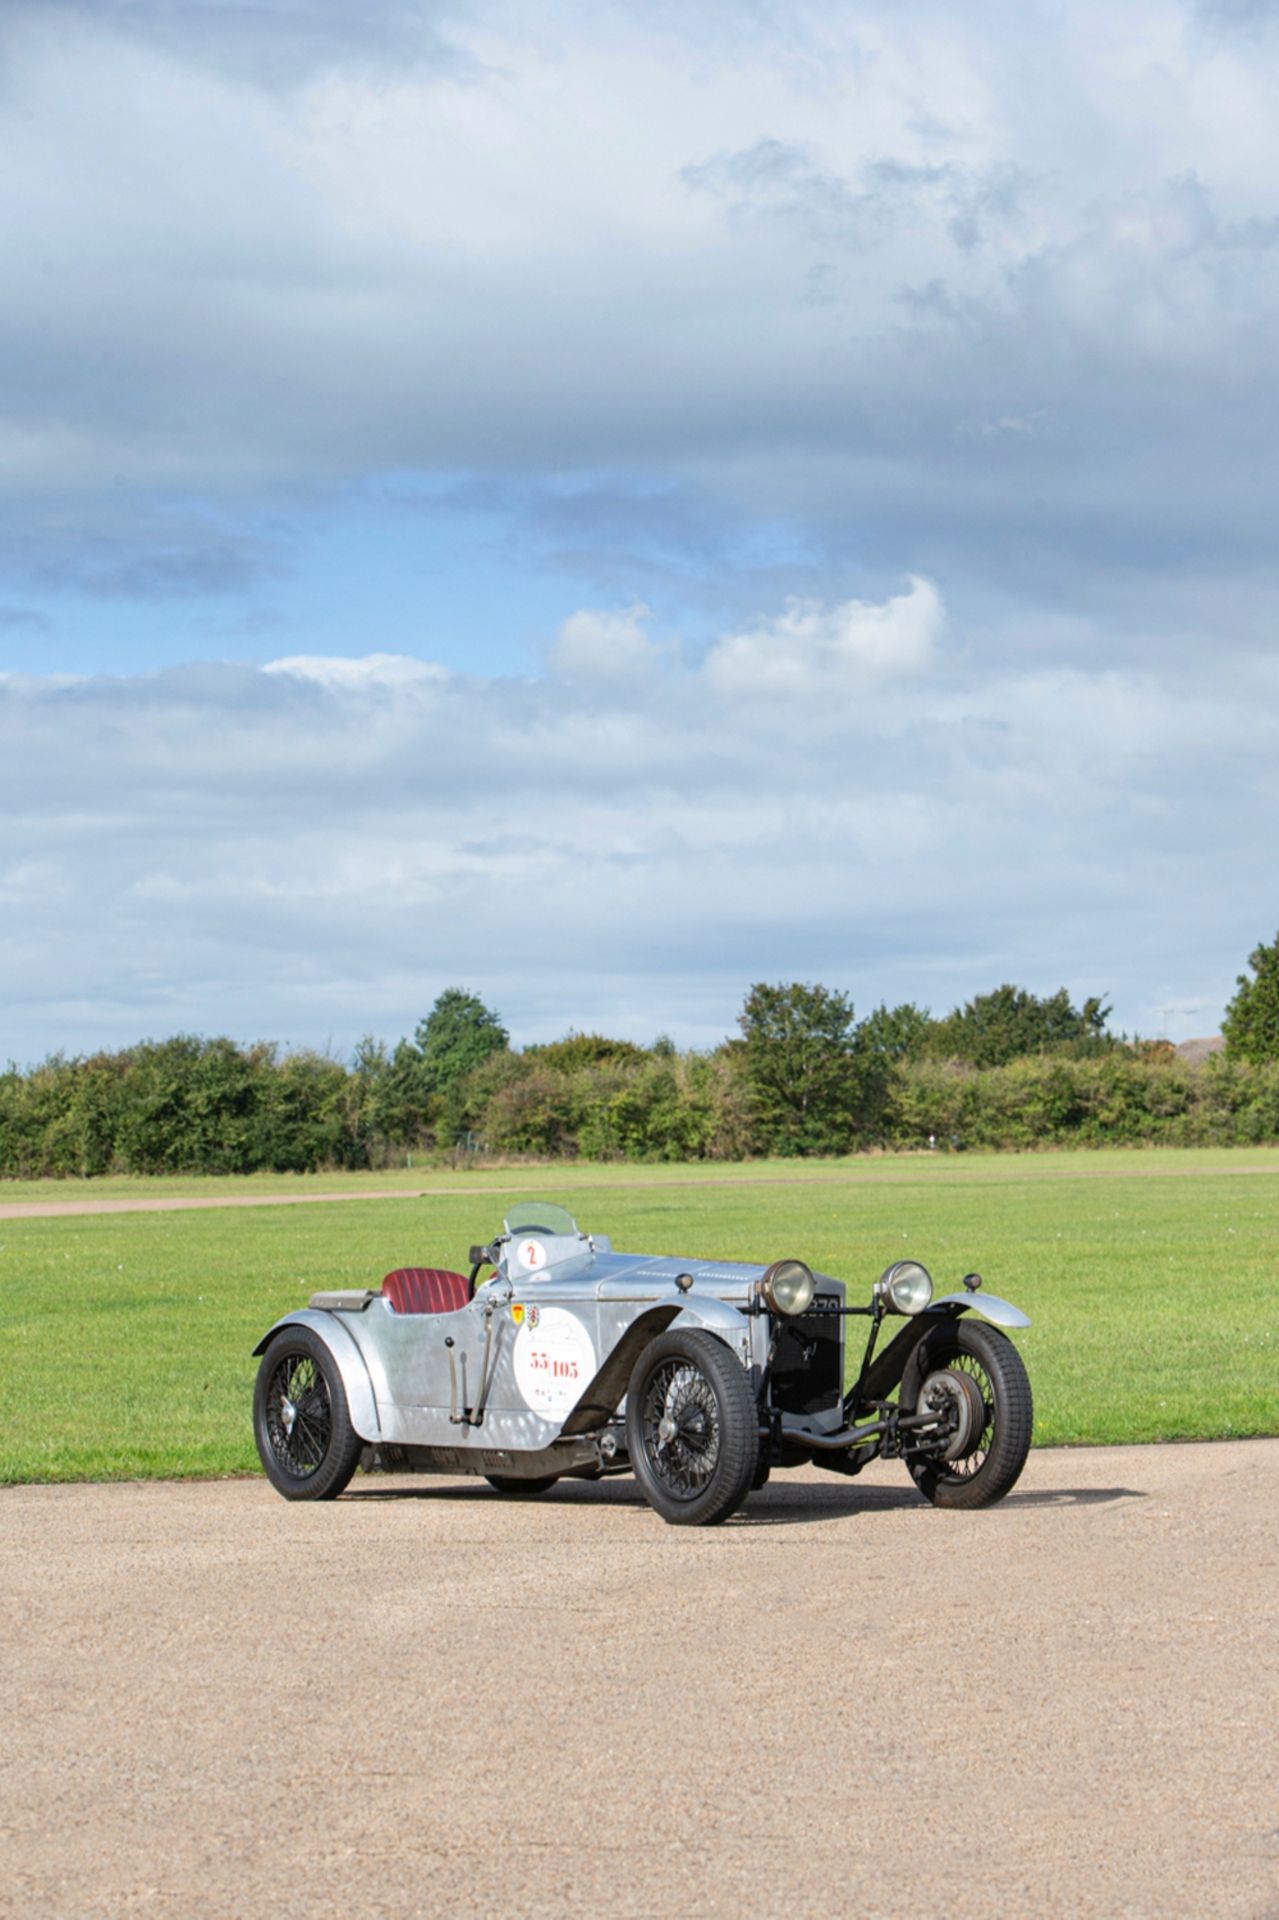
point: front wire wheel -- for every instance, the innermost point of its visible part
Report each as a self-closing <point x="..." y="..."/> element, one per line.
<point x="300" y="1418"/>
<point x="974" y="1374"/>
<point x="691" y="1428"/>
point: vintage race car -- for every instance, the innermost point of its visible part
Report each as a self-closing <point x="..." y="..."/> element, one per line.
<point x="698" y="1376"/>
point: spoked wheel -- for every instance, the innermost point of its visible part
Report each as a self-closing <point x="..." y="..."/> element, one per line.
<point x="973" y="1376"/>
<point x="507" y="1483"/>
<point x="300" y="1419"/>
<point x="691" y="1428"/>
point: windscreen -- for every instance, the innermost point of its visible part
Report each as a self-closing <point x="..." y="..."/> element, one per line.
<point x="539" y="1216"/>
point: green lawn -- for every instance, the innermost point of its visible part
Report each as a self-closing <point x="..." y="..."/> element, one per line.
<point x="1150" y="1277"/>
<point x="982" y="1169"/>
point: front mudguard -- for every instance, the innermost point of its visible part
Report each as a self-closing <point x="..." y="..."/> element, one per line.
<point x="989" y="1305"/>
<point x="361" y="1400"/>
<point x="888" y="1369"/>
<point x="601" y="1400"/>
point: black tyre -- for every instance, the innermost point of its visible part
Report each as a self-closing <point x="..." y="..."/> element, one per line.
<point x="507" y="1483"/>
<point x="301" y="1421"/>
<point x="691" y="1428"/>
<point x="980" y="1373"/>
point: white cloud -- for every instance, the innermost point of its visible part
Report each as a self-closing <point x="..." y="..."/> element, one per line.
<point x="600" y="233"/>
<point x="373" y="672"/>
<point x="830" y="652"/>
<point x="594" y="644"/>
<point x="760" y="301"/>
<point x="311" y="853"/>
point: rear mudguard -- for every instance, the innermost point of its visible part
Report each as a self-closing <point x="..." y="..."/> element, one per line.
<point x="888" y="1369"/>
<point x="360" y="1399"/>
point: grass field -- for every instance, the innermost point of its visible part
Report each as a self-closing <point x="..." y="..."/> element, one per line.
<point x="1150" y="1278"/>
<point x="981" y="1169"/>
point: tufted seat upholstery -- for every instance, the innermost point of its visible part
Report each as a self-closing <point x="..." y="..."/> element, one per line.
<point x="425" y="1290"/>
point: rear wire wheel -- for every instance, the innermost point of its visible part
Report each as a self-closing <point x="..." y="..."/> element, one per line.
<point x="301" y="1421"/>
<point x="981" y="1372"/>
<point x="692" y="1429"/>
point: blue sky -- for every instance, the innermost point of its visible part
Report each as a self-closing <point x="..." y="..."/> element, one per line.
<point x="602" y="505"/>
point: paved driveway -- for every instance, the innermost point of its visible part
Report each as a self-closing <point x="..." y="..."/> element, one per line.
<point x="426" y="1699"/>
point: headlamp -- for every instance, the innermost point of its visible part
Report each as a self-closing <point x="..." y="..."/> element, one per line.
<point x="788" y="1288"/>
<point x="907" y="1286"/>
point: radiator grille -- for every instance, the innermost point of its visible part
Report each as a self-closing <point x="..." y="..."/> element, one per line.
<point x="808" y="1367"/>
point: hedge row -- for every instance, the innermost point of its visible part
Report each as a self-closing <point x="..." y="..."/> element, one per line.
<point x="209" y="1106"/>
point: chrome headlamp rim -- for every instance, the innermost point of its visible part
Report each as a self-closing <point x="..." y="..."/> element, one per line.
<point x="787" y="1288"/>
<point x="907" y="1286"/>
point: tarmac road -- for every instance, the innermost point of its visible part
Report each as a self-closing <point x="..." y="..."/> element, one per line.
<point x="427" y="1699"/>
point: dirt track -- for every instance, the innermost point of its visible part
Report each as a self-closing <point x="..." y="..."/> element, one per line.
<point x="429" y="1700"/>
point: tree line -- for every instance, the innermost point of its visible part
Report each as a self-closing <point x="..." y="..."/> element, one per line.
<point x="802" y="1076"/>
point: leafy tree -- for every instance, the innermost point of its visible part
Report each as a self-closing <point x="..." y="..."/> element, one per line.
<point x="306" y="1123"/>
<point x="195" y="1105"/>
<point x="530" y="1112"/>
<point x="578" y="1050"/>
<point x="1009" y="1023"/>
<point x="1251" y="1025"/>
<point x="471" y="1097"/>
<point x="898" y="1033"/>
<point x="402" y="1104"/>
<point x="802" y="1067"/>
<point x="456" y="1035"/>
<point x="660" y="1113"/>
<point x="1092" y="1023"/>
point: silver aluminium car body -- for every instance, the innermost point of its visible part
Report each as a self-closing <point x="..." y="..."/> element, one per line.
<point x="528" y="1379"/>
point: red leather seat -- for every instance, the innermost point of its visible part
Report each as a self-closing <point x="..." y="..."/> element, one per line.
<point x="425" y="1290"/>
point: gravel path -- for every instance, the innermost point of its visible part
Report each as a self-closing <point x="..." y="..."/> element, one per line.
<point x="69" y="1209"/>
<point x="429" y="1700"/>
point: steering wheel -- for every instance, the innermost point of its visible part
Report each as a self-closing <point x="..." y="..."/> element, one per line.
<point x="481" y="1257"/>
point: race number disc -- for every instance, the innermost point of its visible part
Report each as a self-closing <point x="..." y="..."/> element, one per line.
<point x="553" y="1361"/>
<point x="531" y="1254"/>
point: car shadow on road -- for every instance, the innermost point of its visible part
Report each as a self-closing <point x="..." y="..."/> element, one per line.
<point x="793" y="1506"/>
<point x="783" y="1506"/>
<point x="772" y="1506"/>
<point x="1074" y="1496"/>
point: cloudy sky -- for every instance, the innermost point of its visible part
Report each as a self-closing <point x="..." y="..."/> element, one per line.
<point x="603" y="504"/>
